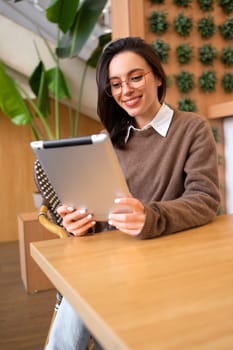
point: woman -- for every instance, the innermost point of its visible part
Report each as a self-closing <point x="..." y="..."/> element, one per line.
<point x="168" y="158"/>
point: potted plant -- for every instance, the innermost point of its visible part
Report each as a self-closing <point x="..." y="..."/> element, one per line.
<point x="162" y="49"/>
<point x="207" y="81"/>
<point x="206" y="27"/>
<point x="206" y="5"/>
<point x="183" y="24"/>
<point x="226" y="29"/>
<point x="182" y="3"/>
<point x="185" y="81"/>
<point x="184" y="53"/>
<point x="186" y="104"/>
<point x="75" y="20"/>
<point x="227" y="82"/>
<point x="158" y="22"/>
<point x="227" y="56"/>
<point x="207" y="54"/>
<point x="226" y="5"/>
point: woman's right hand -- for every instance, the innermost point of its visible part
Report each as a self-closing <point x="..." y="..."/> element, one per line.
<point x="75" y="221"/>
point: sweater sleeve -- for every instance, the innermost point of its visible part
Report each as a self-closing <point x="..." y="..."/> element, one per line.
<point x="200" y="200"/>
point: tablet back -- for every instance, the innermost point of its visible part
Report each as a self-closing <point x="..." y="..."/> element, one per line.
<point x="84" y="172"/>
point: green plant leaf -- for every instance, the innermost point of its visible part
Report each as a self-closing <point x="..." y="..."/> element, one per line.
<point x="103" y="40"/>
<point x="11" y="102"/>
<point x="85" y="20"/>
<point x="39" y="85"/>
<point x="158" y="22"/>
<point x="62" y="12"/>
<point x="162" y="49"/>
<point x="63" y="89"/>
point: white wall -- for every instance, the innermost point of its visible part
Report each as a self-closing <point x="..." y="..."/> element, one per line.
<point x="228" y="135"/>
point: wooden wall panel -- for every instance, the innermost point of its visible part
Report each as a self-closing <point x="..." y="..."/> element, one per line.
<point x="120" y="18"/>
<point x="127" y="18"/>
<point x="172" y="67"/>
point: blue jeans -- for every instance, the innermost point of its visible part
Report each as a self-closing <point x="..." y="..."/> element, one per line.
<point x="68" y="331"/>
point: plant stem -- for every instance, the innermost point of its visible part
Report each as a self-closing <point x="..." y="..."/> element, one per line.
<point x="79" y="100"/>
<point x="40" y="116"/>
<point x="57" y="116"/>
<point x="71" y="119"/>
<point x="43" y="121"/>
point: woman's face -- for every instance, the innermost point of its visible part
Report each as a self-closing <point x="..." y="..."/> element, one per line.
<point x="134" y="87"/>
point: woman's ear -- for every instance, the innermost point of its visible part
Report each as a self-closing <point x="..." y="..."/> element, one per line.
<point x="158" y="82"/>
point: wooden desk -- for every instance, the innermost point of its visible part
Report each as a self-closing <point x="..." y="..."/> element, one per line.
<point x="170" y="293"/>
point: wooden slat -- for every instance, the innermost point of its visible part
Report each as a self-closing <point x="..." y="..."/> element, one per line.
<point x="127" y="18"/>
<point x="120" y="18"/>
<point x="221" y="110"/>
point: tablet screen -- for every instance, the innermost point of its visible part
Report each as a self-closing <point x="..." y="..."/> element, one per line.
<point x="84" y="172"/>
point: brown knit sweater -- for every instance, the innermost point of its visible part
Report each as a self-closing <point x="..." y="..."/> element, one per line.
<point x="175" y="177"/>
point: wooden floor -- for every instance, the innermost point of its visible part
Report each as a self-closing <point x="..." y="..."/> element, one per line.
<point x="24" y="318"/>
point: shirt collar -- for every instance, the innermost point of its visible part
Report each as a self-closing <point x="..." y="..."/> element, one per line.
<point x="160" y="123"/>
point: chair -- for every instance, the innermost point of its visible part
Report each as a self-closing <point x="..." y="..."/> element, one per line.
<point x="52" y="221"/>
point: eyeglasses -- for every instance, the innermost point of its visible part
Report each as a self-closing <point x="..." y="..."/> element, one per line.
<point x="135" y="81"/>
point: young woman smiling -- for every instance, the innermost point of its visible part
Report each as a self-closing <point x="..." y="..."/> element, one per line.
<point x="168" y="158"/>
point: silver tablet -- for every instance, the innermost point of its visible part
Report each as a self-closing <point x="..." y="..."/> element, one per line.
<point x="84" y="172"/>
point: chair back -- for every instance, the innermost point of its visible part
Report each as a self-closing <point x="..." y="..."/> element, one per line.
<point x="50" y="198"/>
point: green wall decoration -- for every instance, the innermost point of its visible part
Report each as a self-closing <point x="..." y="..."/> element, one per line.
<point x="207" y="54"/>
<point x="187" y="104"/>
<point x="184" y="53"/>
<point x="226" y="29"/>
<point x="183" y="25"/>
<point x="194" y="37"/>
<point x="206" y="27"/>
<point x="227" y="82"/>
<point x="207" y="81"/>
<point x="215" y="134"/>
<point x="162" y="49"/>
<point x="182" y="3"/>
<point x="206" y="5"/>
<point x="185" y="81"/>
<point x="226" y="56"/>
<point x="158" y="22"/>
<point x="226" y="5"/>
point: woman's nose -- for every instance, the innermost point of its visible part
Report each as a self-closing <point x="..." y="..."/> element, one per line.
<point x="125" y="87"/>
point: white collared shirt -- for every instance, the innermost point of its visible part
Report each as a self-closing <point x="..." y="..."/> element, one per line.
<point x="160" y="122"/>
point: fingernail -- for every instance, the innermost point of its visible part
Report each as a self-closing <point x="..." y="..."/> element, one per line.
<point x="82" y="211"/>
<point x="89" y="216"/>
<point x="70" y="208"/>
<point x="110" y="222"/>
<point x="117" y="200"/>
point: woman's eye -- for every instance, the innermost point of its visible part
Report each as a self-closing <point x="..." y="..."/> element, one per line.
<point x="136" y="78"/>
<point x="115" y="84"/>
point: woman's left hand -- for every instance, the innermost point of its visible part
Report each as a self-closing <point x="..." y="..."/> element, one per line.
<point x="129" y="222"/>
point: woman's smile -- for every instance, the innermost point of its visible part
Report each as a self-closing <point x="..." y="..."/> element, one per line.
<point x="132" y="101"/>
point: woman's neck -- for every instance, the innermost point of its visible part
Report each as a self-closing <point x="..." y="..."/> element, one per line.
<point x="141" y="121"/>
